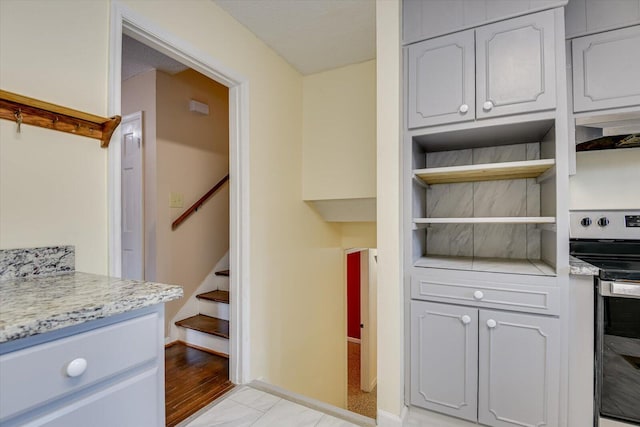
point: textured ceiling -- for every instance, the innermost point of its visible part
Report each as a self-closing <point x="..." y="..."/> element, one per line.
<point x="138" y="58"/>
<point x="312" y="35"/>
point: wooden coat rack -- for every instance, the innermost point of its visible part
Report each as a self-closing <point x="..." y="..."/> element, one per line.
<point x="24" y="110"/>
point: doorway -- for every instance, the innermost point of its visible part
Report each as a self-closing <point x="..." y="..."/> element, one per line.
<point x="361" y="289"/>
<point x="125" y="21"/>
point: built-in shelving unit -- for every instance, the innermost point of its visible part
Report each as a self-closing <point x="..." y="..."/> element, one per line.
<point x="488" y="220"/>
<point x="24" y="110"/>
<point x="485" y="172"/>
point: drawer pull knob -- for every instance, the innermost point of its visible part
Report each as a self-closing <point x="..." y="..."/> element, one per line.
<point x="491" y="323"/>
<point x="478" y="295"/>
<point x="463" y="108"/>
<point x="487" y="106"/>
<point x="466" y="319"/>
<point x="76" y="367"/>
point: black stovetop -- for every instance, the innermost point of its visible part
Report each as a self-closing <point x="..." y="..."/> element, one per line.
<point x="616" y="259"/>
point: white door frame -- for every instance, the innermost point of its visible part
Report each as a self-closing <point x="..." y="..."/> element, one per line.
<point x="133" y="24"/>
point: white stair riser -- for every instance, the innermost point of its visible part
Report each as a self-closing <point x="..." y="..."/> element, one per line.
<point x="208" y="341"/>
<point x="213" y="309"/>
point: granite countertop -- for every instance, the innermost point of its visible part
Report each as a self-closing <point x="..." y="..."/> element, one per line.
<point x="581" y="268"/>
<point x="39" y="304"/>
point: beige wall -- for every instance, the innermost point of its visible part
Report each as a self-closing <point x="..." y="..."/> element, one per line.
<point x="390" y="285"/>
<point x="53" y="185"/>
<point x="339" y="118"/>
<point x="358" y="234"/>
<point x="607" y="179"/>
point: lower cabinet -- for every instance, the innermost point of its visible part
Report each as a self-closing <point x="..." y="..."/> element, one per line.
<point x="487" y="366"/>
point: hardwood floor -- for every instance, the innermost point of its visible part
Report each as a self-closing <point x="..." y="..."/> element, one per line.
<point x="193" y="379"/>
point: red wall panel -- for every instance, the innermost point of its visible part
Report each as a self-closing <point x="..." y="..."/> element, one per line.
<point x="353" y="295"/>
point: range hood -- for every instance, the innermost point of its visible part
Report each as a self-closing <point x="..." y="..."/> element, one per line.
<point x="606" y="132"/>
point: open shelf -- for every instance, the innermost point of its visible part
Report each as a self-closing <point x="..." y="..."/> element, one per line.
<point x="488" y="220"/>
<point x="485" y="172"/>
<point x="495" y="265"/>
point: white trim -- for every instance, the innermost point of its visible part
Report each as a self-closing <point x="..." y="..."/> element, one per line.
<point x="387" y="419"/>
<point x="354" y="250"/>
<point x="312" y="403"/>
<point x="125" y="20"/>
<point x="353" y="340"/>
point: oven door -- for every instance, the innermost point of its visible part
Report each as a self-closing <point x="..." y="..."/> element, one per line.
<point x="618" y="351"/>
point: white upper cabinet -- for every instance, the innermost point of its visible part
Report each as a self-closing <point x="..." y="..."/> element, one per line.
<point x="423" y="19"/>
<point x="515" y="68"/>
<point x="585" y="17"/>
<point x="606" y="70"/>
<point x="441" y="80"/>
<point x="499" y="69"/>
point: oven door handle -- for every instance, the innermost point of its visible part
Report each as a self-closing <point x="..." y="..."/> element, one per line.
<point x="620" y="289"/>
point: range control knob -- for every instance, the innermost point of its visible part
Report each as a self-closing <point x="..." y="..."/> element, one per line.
<point x="586" y="221"/>
<point x="603" y="221"/>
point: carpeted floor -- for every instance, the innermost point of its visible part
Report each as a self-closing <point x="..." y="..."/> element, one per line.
<point x="358" y="401"/>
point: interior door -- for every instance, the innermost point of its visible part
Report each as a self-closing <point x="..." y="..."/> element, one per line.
<point x="368" y="317"/>
<point x="132" y="198"/>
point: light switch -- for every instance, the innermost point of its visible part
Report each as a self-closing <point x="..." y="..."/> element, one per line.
<point x="176" y="200"/>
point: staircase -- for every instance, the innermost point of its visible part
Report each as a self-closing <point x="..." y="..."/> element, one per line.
<point x="209" y="329"/>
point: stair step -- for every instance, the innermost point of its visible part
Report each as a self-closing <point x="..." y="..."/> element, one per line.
<point x="218" y="296"/>
<point x="222" y="273"/>
<point x="206" y="324"/>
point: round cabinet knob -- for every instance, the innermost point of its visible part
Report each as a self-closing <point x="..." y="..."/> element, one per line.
<point x="478" y="295"/>
<point x="487" y="106"/>
<point x="586" y="221"/>
<point x="466" y="319"/>
<point x="603" y="222"/>
<point x="76" y="367"/>
<point x="463" y="108"/>
<point x="491" y="323"/>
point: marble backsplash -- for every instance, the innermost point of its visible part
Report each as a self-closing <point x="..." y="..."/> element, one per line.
<point x="520" y="197"/>
<point x="29" y="262"/>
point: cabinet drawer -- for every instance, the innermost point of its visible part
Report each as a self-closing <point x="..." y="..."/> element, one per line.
<point x="605" y="70"/>
<point x="528" y="298"/>
<point x="38" y="374"/>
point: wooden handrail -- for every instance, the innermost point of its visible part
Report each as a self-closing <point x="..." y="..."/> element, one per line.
<point x="199" y="203"/>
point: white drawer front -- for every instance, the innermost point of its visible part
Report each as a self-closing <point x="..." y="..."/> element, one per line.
<point x="533" y="299"/>
<point x="38" y="374"/>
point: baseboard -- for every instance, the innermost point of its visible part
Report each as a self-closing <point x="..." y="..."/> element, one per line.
<point x="353" y="340"/>
<point x="387" y="419"/>
<point x="197" y="347"/>
<point x="334" y="411"/>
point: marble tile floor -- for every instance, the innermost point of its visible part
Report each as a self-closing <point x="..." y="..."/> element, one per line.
<point x="247" y="406"/>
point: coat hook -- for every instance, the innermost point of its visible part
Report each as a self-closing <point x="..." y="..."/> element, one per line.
<point x="77" y="128"/>
<point x="55" y="120"/>
<point x="18" y="116"/>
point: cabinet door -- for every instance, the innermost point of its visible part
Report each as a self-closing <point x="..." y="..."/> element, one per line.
<point x="518" y="369"/>
<point x="606" y="70"/>
<point x="129" y="403"/>
<point x="441" y="80"/>
<point x="516" y="66"/>
<point x="444" y="357"/>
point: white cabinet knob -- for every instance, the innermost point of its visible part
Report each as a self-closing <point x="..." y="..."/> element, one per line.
<point x="466" y="319"/>
<point x="463" y="108"/>
<point x="478" y="295"/>
<point x="76" y="367"/>
<point x="491" y="323"/>
<point x="487" y="106"/>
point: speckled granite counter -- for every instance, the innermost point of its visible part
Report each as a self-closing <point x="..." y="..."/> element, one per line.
<point x="580" y="268"/>
<point x="34" y="305"/>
